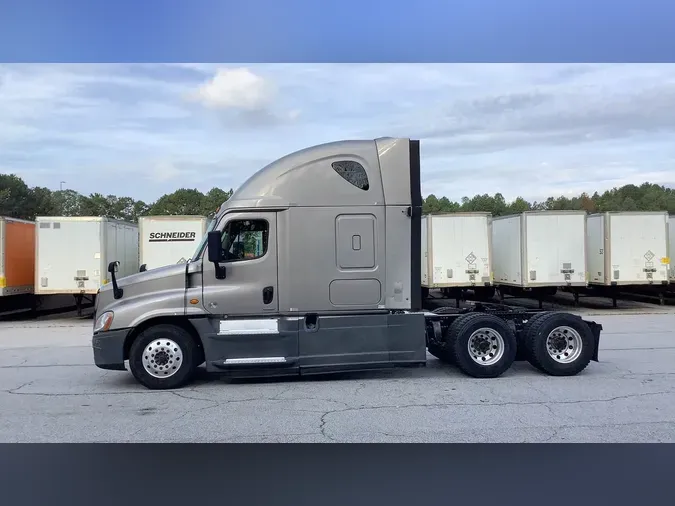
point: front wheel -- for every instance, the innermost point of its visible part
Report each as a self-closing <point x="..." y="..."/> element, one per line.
<point x="163" y="357"/>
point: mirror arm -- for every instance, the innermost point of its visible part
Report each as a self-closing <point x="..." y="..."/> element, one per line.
<point x="220" y="271"/>
<point x="112" y="269"/>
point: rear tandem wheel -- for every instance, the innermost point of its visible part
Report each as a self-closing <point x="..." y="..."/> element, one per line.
<point x="558" y="344"/>
<point x="481" y="345"/>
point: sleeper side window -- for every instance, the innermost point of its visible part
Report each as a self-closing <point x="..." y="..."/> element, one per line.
<point x="245" y="240"/>
<point x="352" y="172"/>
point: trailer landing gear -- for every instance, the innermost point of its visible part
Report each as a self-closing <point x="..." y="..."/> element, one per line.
<point x="79" y="297"/>
<point x="575" y="293"/>
<point x="78" y="303"/>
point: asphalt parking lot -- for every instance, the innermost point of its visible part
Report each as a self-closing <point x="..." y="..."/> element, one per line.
<point x="50" y="391"/>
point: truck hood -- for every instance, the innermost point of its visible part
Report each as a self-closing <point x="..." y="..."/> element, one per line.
<point x="170" y="277"/>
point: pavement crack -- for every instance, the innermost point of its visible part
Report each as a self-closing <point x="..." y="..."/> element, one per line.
<point x="22" y="366"/>
<point x="631" y="375"/>
<point x="360" y="387"/>
<point x="655" y="348"/>
<point x="170" y="422"/>
<point x="191" y="411"/>
<point x="184" y="396"/>
<point x="549" y="408"/>
<point x="77" y="394"/>
<point x="546" y="404"/>
<point x="257" y="436"/>
<point x="15" y="391"/>
<point x="397" y="436"/>
<point x="278" y="396"/>
<point x="322" y="424"/>
<point x="552" y="436"/>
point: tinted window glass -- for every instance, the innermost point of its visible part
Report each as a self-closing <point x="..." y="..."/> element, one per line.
<point x="245" y="240"/>
<point x="353" y="172"/>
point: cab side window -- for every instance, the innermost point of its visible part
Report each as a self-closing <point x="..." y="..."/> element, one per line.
<point x="245" y="240"/>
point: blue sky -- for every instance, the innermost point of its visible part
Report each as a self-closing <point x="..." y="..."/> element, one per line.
<point x="521" y="129"/>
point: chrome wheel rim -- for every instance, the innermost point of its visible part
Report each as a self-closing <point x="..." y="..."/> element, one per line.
<point x="162" y="358"/>
<point x="486" y="346"/>
<point x="564" y="344"/>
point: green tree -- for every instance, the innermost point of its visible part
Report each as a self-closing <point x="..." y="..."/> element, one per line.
<point x="140" y="208"/>
<point x="14" y="196"/>
<point x="629" y="204"/>
<point x="213" y="200"/>
<point x="68" y="203"/>
<point x="19" y="201"/>
<point x="40" y="202"/>
<point x="431" y="205"/>
<point x="520" y="205"/>
<point x="181" y="202"/>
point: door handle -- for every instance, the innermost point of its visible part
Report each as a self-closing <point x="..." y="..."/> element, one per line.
<point x="268" y="294"/>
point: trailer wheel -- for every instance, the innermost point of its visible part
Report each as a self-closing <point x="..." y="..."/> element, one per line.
<point x="559" y="344"/>
<point x="481" y="345"/>
<point x="163" y="357"/>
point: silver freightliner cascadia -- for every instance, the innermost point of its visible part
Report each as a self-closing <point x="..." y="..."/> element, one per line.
<point x="314" y="266"/>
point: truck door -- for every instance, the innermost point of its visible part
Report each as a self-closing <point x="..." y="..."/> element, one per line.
<point x="245" y="303"/>
<point x="249" y="243"/>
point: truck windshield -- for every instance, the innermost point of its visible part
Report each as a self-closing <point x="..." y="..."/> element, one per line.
<point x="202" y="243"/>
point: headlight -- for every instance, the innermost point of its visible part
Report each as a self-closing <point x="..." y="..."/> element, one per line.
<point x="103" y="322"/>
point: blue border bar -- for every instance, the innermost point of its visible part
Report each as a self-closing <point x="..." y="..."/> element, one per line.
<point x="376" y="474"/>
<point x="336" y="31"/>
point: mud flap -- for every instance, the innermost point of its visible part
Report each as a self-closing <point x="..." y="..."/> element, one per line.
<point x="596" y="328"/>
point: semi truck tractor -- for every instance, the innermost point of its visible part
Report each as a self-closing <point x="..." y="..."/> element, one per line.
<point x="313" y="266"/>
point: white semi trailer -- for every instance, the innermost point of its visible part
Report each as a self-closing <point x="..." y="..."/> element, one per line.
<point x="628" y="248"/>
<point x="630" y="252"/>
<point x="457" y="254"/>
<point x="73" y="253"/>
<point x="671" y="248"/>
<point x="167" y="240"/>
<point x="536" y="252"/>
<point x="314" y="266"/>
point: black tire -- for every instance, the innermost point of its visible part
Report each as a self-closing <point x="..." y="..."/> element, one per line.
<point x="537" y="349"/>
<point x="458" y="340"/>
<point x="439" y="353"/>
<point x="522" y="336"/>
<point x="184" y="368"/>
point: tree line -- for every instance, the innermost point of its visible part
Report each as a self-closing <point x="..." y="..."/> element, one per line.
<point x="646" y="197"/>
<point x="18" y="200"/>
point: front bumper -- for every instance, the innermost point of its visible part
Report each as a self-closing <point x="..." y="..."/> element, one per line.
<point x="109" y="349"/>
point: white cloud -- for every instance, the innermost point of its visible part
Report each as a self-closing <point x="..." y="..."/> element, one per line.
<point x="530" y="130"/>
<point x="236" y="88"/>
<point x="164" y="171"/>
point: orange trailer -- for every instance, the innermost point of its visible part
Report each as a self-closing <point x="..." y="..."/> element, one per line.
<point x="17" y="256"/>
